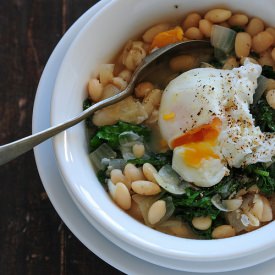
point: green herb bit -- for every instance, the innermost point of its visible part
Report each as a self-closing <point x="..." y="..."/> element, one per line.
<point x="262" y="173"/>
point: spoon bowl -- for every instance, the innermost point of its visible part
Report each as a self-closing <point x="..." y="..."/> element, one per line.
<point x="155" y="62"/>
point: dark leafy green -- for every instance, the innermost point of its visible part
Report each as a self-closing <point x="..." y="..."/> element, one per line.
<point x="194" y="203"/>
<point x="254" y="55"/>
<point x="263" y="176"/>
<point x="237" y="29"/>
<point x="268" y="72"/>
<point x="86" y="104"/>
<point x="110" y="133"/>
<point x="264" y="116"/>
<point x="101" y="175"/>
<point x="158" y="160"/>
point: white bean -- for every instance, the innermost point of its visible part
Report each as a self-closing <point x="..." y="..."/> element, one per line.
<point x="205" y="27"/>
<point x="238" y="20"/>
<point x="147" y="188"/>
<point x="138" y="150"/>
<point x="191" y="20"/>
<point x="149" y="170"/>
<point x="270" y="98"/>
<point x="183" y="63"/>
<point x="267" y="211"/>
<point x="243" y="44"/>
<point x="273" y="53"/>
<point x="258" y="207"/>
<point x="116" y="176"/>
<point x="193" y="33"/>
<point x="152" y="101"/>
<point x="223" y="231"/>
<point x="110" y="90"/>
<point x="156" y="211"/>
<point x="133" y="54"/>
<point x="122" y="196"/>
<point x="218" y="15"/>
<point x="119" y="82"/>
<point x="272" y="32"/>
<point x="125" y="75"/>
<point x="266" y="59"/>
<point x="143" y="89"/>
<point x="230" y="63"/>
<point x="262" y="41"/>
<point x="255" y="26"/>
<point x="202" y="223"/>
<point x="133" y="173"/>
<point x="149" y="35"/>
<point x="270" y="84"/>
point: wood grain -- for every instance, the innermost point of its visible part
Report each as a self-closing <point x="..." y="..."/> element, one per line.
<point x="33" y="239"/>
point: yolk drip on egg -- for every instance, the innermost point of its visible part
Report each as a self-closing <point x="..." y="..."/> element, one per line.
<point x="199" y="143"/>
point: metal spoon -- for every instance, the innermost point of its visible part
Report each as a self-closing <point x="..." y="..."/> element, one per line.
<point x="148" y="67"/>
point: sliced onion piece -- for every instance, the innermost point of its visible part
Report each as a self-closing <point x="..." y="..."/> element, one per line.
<point x="234" y="219"/>
<point x="253" y="220"/>
<point x="223" y="38"/>
<point x="116" y="164"/>
<point x="216" y="201"/>
<point x="101" y="154"/>
<point x="111" y="188"/>
<point x="262" y="86"/>
<point x="169" y="180"/>
<point x="226" y="205"/>
<point x="245" y="220"/>
<point x="127" y="140"/>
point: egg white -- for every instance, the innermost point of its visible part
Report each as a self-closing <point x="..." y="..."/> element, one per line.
<point x="197" y="96"/>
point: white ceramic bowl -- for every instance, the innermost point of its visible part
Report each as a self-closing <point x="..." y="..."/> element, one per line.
<point x="98" y="41"/>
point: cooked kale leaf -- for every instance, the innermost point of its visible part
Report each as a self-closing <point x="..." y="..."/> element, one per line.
<point x="263" y="176"/>
<point x="237" y="29"/>
<point x="110" y="134"/>
<point x="194" y="203"/>
<point x="87" y="104"/>
<point x="157" y="160"/>
<point x="268" y="72"/>
<point x="264" y="116"/>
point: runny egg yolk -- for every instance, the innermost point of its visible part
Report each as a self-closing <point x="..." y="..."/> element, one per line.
<point x="199" y="142"/>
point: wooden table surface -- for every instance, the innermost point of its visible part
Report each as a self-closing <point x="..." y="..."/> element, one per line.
<point x="33" y="238"/>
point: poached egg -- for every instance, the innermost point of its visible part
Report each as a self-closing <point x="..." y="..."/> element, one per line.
<point x="205" y="119"/>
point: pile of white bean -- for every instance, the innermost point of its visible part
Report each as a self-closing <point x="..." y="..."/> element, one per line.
<point x="140" y="181"/>
<point x="143" y="106"/>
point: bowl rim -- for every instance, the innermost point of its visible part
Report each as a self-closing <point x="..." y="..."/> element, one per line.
<point x="144" y="242"/>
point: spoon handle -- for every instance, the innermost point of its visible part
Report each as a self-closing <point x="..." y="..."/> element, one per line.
<point x="14" y="149"/>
